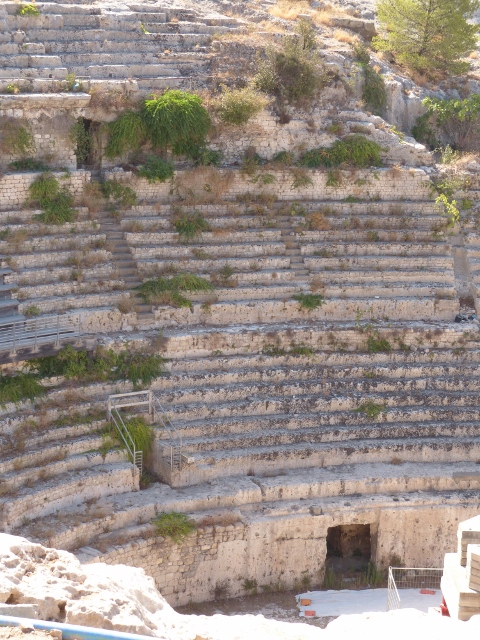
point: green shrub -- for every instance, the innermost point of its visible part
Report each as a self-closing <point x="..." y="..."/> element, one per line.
<point x="138" y="367"/>
<point x="32" y="311"/>
<point x="27" y="10"/>
<point x="293" y="74"/>
<point x="173" y="525"/>
<point x="81" y="137"/>
<point x="190" y="226"/>
<point x="376" y="344"/>
<point x="448" y="208"/>
<point x="354" y="150"/>
<point x="18" y="387"/>
<point x="374" y="93"/>
<point x="301" y="179"/>
<point x="273" y="351"/>
<point x="125" y="134"/>
<point x="171" y="291"/>
<point x="141" y="433"/>
<point x="309" y="301"/>
<point x="156" y="169"/>
<point x="205" y="157"/>
<point x="119" y="194"/>
<point x="300" y="349"/>
<point x="103" y="366"/>
<point x="284" y="158"/>
<point x="237" y="106"/>
<point x="16" y="137"/>
<point x="56" y="202"/>
<point x="371" y="409"/>
<point x="450" y="122"/>
<point x="177" y="120"/>
<point x="428" y="37"/>
<point x="28" y="164"/>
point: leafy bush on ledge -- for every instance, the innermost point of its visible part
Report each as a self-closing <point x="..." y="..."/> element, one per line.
<point x="354" y="150"/>
<point x="174" y="525"/>
<point x="170" y="291"/>
<point x="237" y="106"/>
<point x="156" y="169"/>
<point x="190" y="226"/>
<point x="56" y="202"/>
<point x="176" y="120"/>
<point x="21" y="386"/>
<point x="105" y="365"/>
<point x="141" y="433"/>
<point x="309" y="301"/>
<point x="27" y="10"/>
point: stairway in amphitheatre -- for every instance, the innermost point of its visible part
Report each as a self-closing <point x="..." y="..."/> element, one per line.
<point x="322" y="377"/>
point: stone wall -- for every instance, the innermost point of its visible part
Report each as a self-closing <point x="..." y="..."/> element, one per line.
<point x="206" y="184"/>
<point x="288" y="552"/>
<point x="14" y="186"/>
<point x="49" y="119"/>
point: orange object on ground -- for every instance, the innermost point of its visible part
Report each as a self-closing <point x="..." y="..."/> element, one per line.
<point x="444" y="608"/>
<point x="309" y="613"/>
<point x="427" y="592"/>
<point x="305" y="602"/>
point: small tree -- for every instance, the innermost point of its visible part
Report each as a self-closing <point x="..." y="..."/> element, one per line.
<point x="428" y="35"/>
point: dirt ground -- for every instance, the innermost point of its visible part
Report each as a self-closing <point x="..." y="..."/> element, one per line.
<point x="274" y="606"/>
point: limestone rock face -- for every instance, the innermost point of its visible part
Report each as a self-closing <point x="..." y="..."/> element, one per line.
<point x="97" y="595"/>
<point x="125" y="599"/>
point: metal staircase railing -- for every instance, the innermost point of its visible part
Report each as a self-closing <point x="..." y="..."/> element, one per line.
<point x="118" y="401"/>
<point x="172" y="452"/>
<point x="175" y="445"/>
<point x="22" y="334"/>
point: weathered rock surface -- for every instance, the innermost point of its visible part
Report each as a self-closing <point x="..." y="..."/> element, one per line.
<point x="125" y="599"/>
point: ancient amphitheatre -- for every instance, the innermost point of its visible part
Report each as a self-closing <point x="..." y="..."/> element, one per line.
<point x="307" y="375"/>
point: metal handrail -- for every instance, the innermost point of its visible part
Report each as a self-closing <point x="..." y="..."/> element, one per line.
<point x="113" y="415"/>
<point x="38" y="331"/>
<point x="173" y="434"/>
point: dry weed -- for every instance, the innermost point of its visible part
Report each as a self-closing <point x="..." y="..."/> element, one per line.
<point x="92" y="197"/>
<point x="345" y="36"/>
<point x="203" y="185"/>
<point x="219" y="520"/>
<point x="317" y="222"/>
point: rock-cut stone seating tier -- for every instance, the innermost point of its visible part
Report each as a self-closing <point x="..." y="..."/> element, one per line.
<point x="61" y="268"/>
<point x="391" y="258"/>
<point x="239" y="412"/>
<point x="155" y="46"/>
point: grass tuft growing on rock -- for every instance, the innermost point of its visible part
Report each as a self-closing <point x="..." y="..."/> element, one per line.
<point x="21" y="386"/>
<point x="354" y="150"/>
<point x="56" y="202"/>
<point x="190" y="226"/>
<point x="171" y="291"/>
<point x="309" y="301"/>
<point x="173" y="525"/>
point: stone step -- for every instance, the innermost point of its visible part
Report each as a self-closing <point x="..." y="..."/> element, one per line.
<point x="333" y="310"/>
<point x="113" y="35"/>
<point x="87" y="300"/>
<point x="382" y="262"/>
<point x="60" y="258"/>
<point x="222" y="250"/>
<point x="49" y="496"/>
<point x="54" y="275"/>
<point x="220" y="442"/>
<point x="53" y="242"/>
<point x="82" y="287"/>
<point x="298" y="402"/>
<point x="276" y="370"/>
<point x="258" y="460"/>
<point x="375" y="249"/>
<point x="86" y="526"/>
<point x="291" y="387"/>
<point x="50" y="468"/>
<point x="124" y="70"/>
<point x="256" y="264"/>
<point x="207" y="238"/>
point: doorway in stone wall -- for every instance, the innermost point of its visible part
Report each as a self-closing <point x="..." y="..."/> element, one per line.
<point x="349" y="552"/>
<point x="86" y="135"/>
